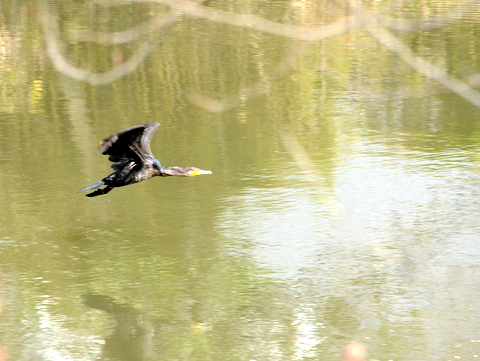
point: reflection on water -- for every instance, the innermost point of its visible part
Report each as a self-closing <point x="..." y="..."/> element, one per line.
<point x="131" y="338"/>
<point x="408" y="236"/>
<point x="286" y="228"/>
<point x="343" y="204"/>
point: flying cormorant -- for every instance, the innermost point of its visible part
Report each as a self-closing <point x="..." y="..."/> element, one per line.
<point x="133" y="160"/>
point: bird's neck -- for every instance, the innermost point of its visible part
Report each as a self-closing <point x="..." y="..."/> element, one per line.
<point x="173" y="171"/>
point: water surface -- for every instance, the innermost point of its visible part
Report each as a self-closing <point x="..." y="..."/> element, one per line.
<point x="343" y="204"/>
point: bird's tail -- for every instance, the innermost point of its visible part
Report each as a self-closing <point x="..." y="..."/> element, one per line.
<point x="93" y="186"/>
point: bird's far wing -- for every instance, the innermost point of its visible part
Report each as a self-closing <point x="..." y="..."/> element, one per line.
<point x="147" y="136"/>
<point x="119" y="164"/>
<point x="124" y="145"/>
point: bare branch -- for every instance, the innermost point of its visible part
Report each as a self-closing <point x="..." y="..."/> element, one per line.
<point x="435" y="22"/>
<point x="159" y="22"/>
<point x="156" y="23"/>
<point x="310" y="171"/>
<point x="55" y="52"/>
<point x="192" y="9"/>
<point x="267" y="26"/>
<point x="372" y="23"/>
<point x="417" y="63"/>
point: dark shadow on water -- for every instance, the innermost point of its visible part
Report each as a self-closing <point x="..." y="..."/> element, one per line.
<point x="131" y="339"/>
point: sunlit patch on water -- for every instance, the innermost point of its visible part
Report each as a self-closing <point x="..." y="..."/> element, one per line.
<point x="283" y="227"/>
<point x="52" y="341"/>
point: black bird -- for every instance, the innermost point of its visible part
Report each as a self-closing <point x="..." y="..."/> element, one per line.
<point x="133" y="160"/>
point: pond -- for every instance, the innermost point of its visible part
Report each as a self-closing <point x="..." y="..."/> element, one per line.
<point x="344" y="199"/>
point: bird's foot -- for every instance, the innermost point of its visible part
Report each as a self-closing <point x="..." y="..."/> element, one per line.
<point x="99" y="192"/>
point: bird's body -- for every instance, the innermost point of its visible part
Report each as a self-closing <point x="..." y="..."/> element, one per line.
<point x="133" y="160"/>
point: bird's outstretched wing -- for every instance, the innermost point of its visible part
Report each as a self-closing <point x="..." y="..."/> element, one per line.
<point x="147" y="136"/>
<point x="131" y="143"/>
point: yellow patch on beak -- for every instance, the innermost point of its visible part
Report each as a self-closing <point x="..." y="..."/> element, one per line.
<point x="199" y="172"/>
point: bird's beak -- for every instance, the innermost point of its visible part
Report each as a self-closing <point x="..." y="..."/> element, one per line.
<point x="200" y="172"/>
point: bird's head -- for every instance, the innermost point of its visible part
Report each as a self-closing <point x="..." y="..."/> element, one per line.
<point x="195" y="171"/>
<point x="182" y="171"/>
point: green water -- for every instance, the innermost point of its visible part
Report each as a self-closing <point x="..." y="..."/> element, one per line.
<point x="343" y="204"/>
